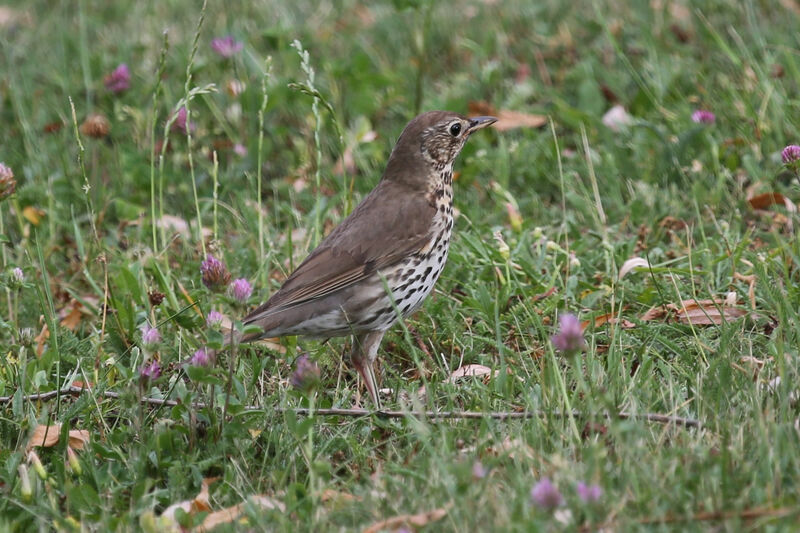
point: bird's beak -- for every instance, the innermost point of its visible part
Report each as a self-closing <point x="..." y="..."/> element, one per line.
<point x="477" y="123"/>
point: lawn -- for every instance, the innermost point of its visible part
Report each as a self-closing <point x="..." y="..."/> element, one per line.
<point x="637" y="179"/>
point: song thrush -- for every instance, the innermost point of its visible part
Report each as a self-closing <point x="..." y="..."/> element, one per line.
<point x="382" y="261"/>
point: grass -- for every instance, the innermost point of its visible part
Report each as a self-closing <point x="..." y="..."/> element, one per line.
<point x="81" y="227"/>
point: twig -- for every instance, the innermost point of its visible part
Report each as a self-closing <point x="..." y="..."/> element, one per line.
<point x="433" y="415"/>
<point x="704" y="516"/>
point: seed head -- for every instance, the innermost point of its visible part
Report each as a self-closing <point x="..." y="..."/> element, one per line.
<point x="214" y="273"/>
<point x="96" y="125"/>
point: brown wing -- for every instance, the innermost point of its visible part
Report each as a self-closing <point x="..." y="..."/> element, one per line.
<point x="390" y="223"/>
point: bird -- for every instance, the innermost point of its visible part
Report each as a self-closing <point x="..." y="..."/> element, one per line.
<point x="381" y="262"/>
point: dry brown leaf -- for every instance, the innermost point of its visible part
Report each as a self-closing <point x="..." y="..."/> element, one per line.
<point x="699" y="312"/>
<point x="654" y="313"/>
<point x="229" y="514"/>
<point x="707" y="312"/>
<point x="608" y="318"/>
<point x="751" y="289"/>
<point x="33" y="214"/>
<point x="632" y="264"/>
<point x="71" y="315"/>
<point x="174" y="224"/>
<point x="764" y="200"/>
<point x="44" y="436"/>
<point x="10" y="17"/>
<point x="41" y="339"/>
<point x="415" y="520"/>
<point x="470" y="371"/>
<point x="338" y="497"/>
<point x="197" y="504"/>
<point x="78" y="438"/>
<point x="542" y="295"/>
<point x="506" y="119"/>
<point x="47" y="437"/>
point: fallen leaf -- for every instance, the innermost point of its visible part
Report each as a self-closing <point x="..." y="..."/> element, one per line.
<point x="416" y="520"/>
<point x="513" y="448"/>
<point x="672" y="223"/>
<point x="608" y="318"/>
<point x="506" y="119"/>
<point x="654" y="313"/>
<point x="197" y="504"/>
<point x="617" y="118"/>
<point x="699" y="312"/>
<point x="542" y="295"/>
<point x="229" y="514"/>
<point x="41" y="339"/>
<point x="33" y="214"/>
<point x="47" y="437"/>
<point x="632" y="264"/>
<point x="338" y="497"/>
<point x="751" y="289"/>
<point x="175" y="224"/>
<point x="10" y="17"/>
<point x="44" y="436"/>
<point x="764" y="200"/>
<point x="71" y="315"/>
<point x="470" y="371"/>
<point x="78" y="438"/>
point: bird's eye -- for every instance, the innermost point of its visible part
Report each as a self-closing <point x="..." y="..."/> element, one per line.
<point x="455" y="129"/>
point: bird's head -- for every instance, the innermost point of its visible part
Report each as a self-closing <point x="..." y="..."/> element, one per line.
<point x="431" y="142"/>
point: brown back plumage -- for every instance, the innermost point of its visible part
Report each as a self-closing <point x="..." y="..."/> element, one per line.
<point x="398" y="206"/>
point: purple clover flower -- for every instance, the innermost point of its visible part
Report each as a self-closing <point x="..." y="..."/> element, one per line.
<point x="213" y="319"/>
<point x="478" y="470"/>
<point x="214" y="273"/>
<point x="17" y="275"/>
<point x="181" y="124"/>
<point x="589" y="493"/>
<point x="200" y="358"/>
<point x="119" y="79"/>
<point x="226" y="46"/>
<point x="240" y="149"/>
<point x="7" y="182"/>
<point x="545" y="495"/>
<point x="241" y="290"/>
<point x="306" y="374"/>
<point x="702" y="116"/>
<point x="150" y="335"/>
<point x="791" y="154"/>
<point x="149" y="372"/>
<point x="569" y="338"/>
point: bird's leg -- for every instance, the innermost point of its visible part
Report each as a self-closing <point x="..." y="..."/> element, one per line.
<point x="363" y="354"/>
